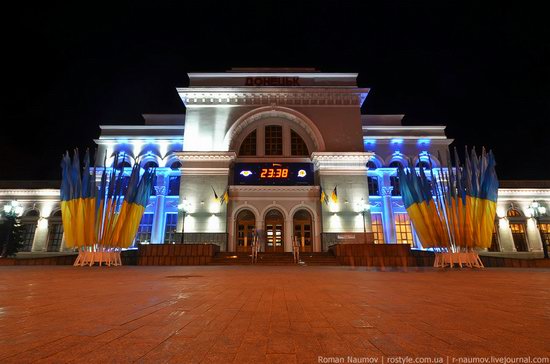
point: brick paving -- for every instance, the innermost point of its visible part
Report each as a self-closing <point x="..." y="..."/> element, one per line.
<point x="227" y="314"/>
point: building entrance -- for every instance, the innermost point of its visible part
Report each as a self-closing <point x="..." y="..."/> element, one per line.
<point x="303" y="230"/>
<point x="274" y="229"/>
<point x="246" y="223"/>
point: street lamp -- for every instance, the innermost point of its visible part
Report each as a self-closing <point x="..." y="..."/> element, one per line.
<point x="13" y="209"/>
<point x="183" y="207"/>
<point x="537" y="211"/>
<point x="364" y="207"/>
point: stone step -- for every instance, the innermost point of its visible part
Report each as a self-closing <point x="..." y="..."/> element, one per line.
<point x="274" y="259"/>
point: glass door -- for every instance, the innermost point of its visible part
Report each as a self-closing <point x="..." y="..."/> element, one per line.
<point x="274" y="223"/>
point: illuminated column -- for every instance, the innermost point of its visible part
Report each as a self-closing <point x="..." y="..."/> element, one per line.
<point x="387" y="219"/>
<point x="261" y="233"/>
<point x="231" y="234"/>
<point x="157" y="236"/>
<point x="288" y="234"/>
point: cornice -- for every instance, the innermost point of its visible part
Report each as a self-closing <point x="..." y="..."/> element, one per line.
<point x="265" y="96"/>
<point x="206" y="156"/>
<point x="29" y="192"/>
<point x="247" y="188"/>
<point x="524" y="192"/>
<point x="204" y="171"/>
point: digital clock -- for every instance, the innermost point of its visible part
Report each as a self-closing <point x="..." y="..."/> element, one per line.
<point x="281" y="174"/>
<point x="274" y="172"/>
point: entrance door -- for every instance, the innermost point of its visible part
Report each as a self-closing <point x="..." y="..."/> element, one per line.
<point x="303" y="230"/>
<point x="274" y="229"/>
<point x="246" y="223"/>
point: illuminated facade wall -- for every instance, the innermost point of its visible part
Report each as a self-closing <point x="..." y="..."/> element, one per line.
<point x="316" y="118"/>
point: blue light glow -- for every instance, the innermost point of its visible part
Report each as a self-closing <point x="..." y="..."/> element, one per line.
<point x="397" y="141"/>
<point x="424" y="141"/>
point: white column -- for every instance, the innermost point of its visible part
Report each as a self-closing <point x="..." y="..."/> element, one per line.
<point x="231" y="234"/>
<point x="288" y="235"/>
<point x="387" y="216"/>
<point x="157" y="233"/>
<point x="260" y="229"/>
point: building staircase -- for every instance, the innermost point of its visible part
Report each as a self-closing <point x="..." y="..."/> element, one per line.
<point x="271" y="259"/>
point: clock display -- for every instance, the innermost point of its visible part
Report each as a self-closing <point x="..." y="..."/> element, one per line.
<point x="280" y="174"/>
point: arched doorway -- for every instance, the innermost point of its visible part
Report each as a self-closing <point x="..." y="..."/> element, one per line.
<point x="246" y="223"/>
<point x="303" y="230"/>
<point x="274" y="230"/>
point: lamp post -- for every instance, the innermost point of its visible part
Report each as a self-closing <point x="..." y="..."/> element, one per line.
<point x="12" y="211"/>
<point x="537" y="211"/>
<point x="183" y="207"/>
<point x="364" y="207"/>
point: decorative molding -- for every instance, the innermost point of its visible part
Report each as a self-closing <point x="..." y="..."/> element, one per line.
<point x="206" y="171"/>
<point x="397" y="204"/>
<point x="263" y="96"/>
<point x="30" y="192"/>
<point x="238" y="188"/>
<point x="160" y="190"/>
<point x="387" y="190"/>
<point x="206" y="156"/>
<point x="523" y="192"/>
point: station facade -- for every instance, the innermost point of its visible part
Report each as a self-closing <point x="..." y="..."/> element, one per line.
<point x="285" y="154"/>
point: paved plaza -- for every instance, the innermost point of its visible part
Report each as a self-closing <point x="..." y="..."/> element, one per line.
<point x="246" y="314"/>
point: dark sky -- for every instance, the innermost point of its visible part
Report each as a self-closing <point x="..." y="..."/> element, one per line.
<point x="481" y="69"/>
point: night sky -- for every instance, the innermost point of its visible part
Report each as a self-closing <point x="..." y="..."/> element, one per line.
<point x="481" y="69"/>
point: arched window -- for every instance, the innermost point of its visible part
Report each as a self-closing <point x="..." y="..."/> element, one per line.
<point x="519" y="236"/>
<point x="175" y="166"/>
<point x="124" y="164"/>
<point x="32" y="213"/>
<point x="423" y="164"/>
<point x="394" y="181"/>
<point x="29" y="222"/>
<point x="297" y="144"/>
<point x="273" y="140"/>
<point x="150" y="164"/>
<point x="396" y="164"/>
<point x="371" y="165"/>
<point x="248" y="146"/>
<point x="55" y="232"/>
<point x="373" y="186"/>
<point x="513" y="213"/>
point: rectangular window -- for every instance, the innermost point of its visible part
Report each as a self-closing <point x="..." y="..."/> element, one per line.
<point x="403" y="229"/>
<point x="28" y="236"/>
<point x="170" y="227"/>
<point x="396" y="190"/>
<point x="373" y="186"/>
<point x="545" y="233"/>
<point x="174" y="186"/>
<point x="377" y="228"/>
<point x="55" y="236"/>
<point x="273" y="140"/>
<point x="145" y="229"/>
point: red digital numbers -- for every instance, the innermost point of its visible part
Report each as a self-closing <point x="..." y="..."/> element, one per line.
<point x="274" y="173"/>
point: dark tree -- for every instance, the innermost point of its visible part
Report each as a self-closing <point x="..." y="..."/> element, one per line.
<point x="11" y="236"/>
